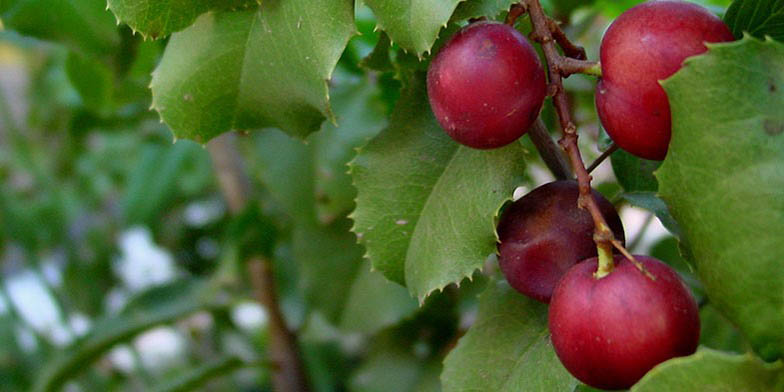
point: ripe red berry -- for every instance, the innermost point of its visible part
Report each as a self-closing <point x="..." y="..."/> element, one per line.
<point x="609" y="332"/>
<point x="644" y="45"/>
<point x="544" y="233"/>
<point x="486" y="85"/>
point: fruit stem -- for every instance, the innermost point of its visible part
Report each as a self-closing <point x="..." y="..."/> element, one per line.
<point x="514" y="13"/>
<point x="543" y="29"/>
<point x="613" y="147"/>
<point x="606" y="262"/>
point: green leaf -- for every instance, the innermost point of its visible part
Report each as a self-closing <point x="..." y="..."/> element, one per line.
<point x="413" y="24"/>
<point x="723" y="180"/>
<point x="360" y="115"/>
<point x="633" y="173"/>
<point x="92" y="79"/>
<point x="759" y="18"/>
<point x="265" y="66"/>
<point x="713" y="371"/>
<point x="158" y="18"/>
<point x="392" y="362"/>
<point x="507" y="349"/>
<point x="718" y="333"/>
<point x="374" y="303"/>
<point x="82" y="24"/>
<point x="651" y="202"/>
<point x="477" y="8"/>
<point x="195" y="378"/>
<point x="426" y="206"/>
<point x="157" y="306"/>
<point x="352" y="297"/>
<point x="152" y="183"/>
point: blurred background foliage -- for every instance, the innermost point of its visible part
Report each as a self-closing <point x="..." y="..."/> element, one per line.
<point x="121" y="266"/>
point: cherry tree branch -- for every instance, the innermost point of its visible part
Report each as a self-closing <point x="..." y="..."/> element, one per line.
<point x="288" y="374"/>
<point x="557" y="68"/>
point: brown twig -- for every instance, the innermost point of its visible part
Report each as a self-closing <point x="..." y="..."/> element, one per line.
<point x="514" y="12"/>
<point x="551" y="153"/>
<point x="288" y="374"/>
<point x="570" y="49"/>
<point x="613" y="147"/>
<point x="603" y="235"/>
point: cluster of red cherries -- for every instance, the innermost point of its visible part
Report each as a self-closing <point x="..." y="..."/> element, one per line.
<point x="486" y="88"/>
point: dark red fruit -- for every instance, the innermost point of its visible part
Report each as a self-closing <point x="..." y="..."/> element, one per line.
<point x="644" y="45"/>
<point x="486" y="85"/>
<point x="544" y="233"/>
<point x="609" y="332"/>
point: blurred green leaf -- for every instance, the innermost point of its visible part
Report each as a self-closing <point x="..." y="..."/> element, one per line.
<point x="727" y="190"/>
<point x="92" y="79"/>
<point x="393" y="362"/>
<point x="360" y="116"/>
<point x="713" y="371"/>
<point x="82" y="24"/>
<point x="209" y="79"/>
<point x="418" y="212"/>
<point x="157" y="306"/>
<point x="153" y="181"/>
<point x="718" y="333"/>
<point x="374" y="302"/>
<point x="759" y="18"/>
<point x="507" y="349"/>
<point x="195" y="378"/>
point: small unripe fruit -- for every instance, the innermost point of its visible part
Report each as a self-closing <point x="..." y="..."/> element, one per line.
<point x="644" y="45"/>
<point x="486" y="85"/>
<point x="544" y="233"/>
<point x="608" y="332"/>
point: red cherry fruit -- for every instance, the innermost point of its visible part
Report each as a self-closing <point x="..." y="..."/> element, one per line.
<point x="486" y="85"/>
<point x="609" y="332"/>
<point x="544" y="233"/>
<point x="644" y="45"/>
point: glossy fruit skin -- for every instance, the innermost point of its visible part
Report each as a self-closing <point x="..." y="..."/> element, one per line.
<point x="544" y="233"/>
<point x="648" y="43"/>
<point x="486" y="85"/>
<point x="609" y="332"/>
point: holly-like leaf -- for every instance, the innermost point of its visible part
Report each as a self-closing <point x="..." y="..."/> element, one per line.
<point x="158" y="18"/>
<point x="507" y="349"/>
<point x="82" y="24"/>
<point x="264" y="66"/>
<point x="723" y="180"/>
<point x="713" y="371"/>
<point x="426" y="206"/>
<point x="477" y="8"/>
<point x="413" y="24"/>
<point x="759" y="18"/>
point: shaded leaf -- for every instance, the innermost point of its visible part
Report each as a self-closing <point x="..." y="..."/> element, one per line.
<point x="426" y="206"/>
<point x="507" y="349"/>
<point x="651" y="202"/>
<point x="759" y="18"/>
<point x="476" y="8"/>
<point x="633" y="173"/>
<point x="92" y="79"/>
<point x="723" y="180"/>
